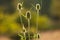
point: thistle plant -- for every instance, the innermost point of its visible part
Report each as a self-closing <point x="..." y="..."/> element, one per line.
<point x="26" y="34"/>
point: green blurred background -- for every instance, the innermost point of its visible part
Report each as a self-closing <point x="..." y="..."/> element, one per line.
<point x="10" y="21"/>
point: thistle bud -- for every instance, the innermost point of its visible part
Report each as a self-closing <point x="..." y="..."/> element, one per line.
<point x="28" y="15"/>
<point x="19" y="6"/>
<point x="37" y="6"/>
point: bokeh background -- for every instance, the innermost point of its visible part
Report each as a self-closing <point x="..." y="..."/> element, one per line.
<point x="49" y="17"/>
